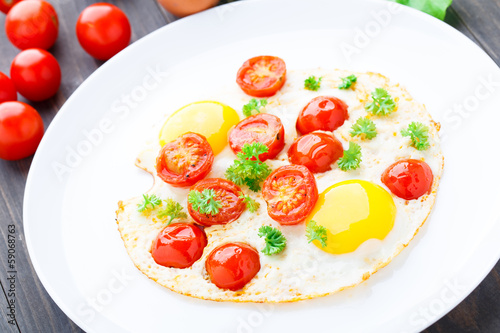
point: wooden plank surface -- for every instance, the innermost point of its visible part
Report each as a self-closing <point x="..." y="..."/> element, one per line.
<point x="36" y="312"/>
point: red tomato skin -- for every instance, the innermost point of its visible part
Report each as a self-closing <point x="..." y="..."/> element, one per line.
<point x="230" y="211"/>
<point x="232" y="265"/>
<point x="206" y="160"/>
<point x="21" y="130"/>
<point x="306" y="183"/>
<point x="103" y="30"/>
<point x="273" y="138"/>
<point x="36" y="74"/>
<point x="322" y="113"/>
<point x="32" y="24"/>
<point x="266" y="89"/>
<point x="408" y="179"/>
<point x="179" y="245"/>
<point x="8" y="91"/>
<point x="317" y="151"/>
<point x="6" y="5"/>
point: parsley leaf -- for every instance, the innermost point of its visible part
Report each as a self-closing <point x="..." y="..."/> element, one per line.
<point x="275" y="241"/>
<point x="365" y="128"/>
<point x="351" y="158"/>
<point x="419" y="135"/>
<point x="248" y="169"/>
<point x="316" y="232"/>
<point x="253" y="105"/>
<point x="149" y="202"/>
<point x="171" y="209"/>
<point x="436" y="8"/>
<point x="250" y="203"/>
<point x="204" y="202"/>
<point x="311" y="83"/>
<point x="347" y="81"/>
<point x="382" y="103"/>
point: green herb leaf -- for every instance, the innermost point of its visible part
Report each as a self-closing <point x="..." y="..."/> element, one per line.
<point x="250" y="203"/>
<point x="436" y="8"/>
<point x="351" y="158"/>
<point x="382" y="103"/>
<point x="204" y="202"/>
<point x="311" y="83"/>
<point x="347" y="81"/>
<point x="419" y="135"/>
<point x="253" y="105"/>
<point x="171" y="209"/>
<point x="149" y="202"/>
<point x="365" y="128"/>
<point x="316" y="232"/>
<point x="248" y="169"/>
<point x="275" y="241"/>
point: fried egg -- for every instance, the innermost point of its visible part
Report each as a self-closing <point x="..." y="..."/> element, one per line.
<point x="367" y="225"/>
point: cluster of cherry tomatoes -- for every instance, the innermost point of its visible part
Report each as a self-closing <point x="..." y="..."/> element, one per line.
<point x="33" y="26"/>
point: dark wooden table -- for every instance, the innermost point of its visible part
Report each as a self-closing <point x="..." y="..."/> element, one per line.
<point x="36" y="312"/>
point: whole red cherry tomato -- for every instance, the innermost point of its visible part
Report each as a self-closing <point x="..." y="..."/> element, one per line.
<point x="232" y="265"/>
<point x="7" y="90"/>
<point x="103" y="30"/>
<point x="262" y="127"/>
<point x="6" y="5"/>
<point x="317" y="151"/>
<point x="179" y="245"/>
<point x="32" y="24"/>
<point x="21" y="129"/>
<point x="291" y="193"/>
<point x="36" y="74"/>
<point x="322" y="114"/>
<point x="408" y="179"/>
<point x="227" y="193"/>
<point x="262" y="76"/>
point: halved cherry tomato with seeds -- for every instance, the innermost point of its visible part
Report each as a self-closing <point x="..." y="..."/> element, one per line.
<point x="179" y="245"/>
<point x="185" y="160"/>
<point x="262" y="127"/>
<point x="408" y="179"/>
<point x="227" y="193"/>
<point x="317" y="151"/>
<point x="232" y="265"/>
<point x="323" y="113"/>
<point x="291" y="193"/>
<point x="262" y="76"/>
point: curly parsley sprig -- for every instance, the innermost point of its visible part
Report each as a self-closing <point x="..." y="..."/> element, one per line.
<point x="347" y="81"/>
<point x="351" y="158"/>
<point x="382" y="103"/>
<point x="311" y="83"/>
<point x="365" y="128"/>
<point x="250" y="203"/>
<point x="149" y="202"/>
<point x="419" y="135"/>
<point x="316" y="232"/>
<point x="248" y="168"/>
<point x="253" y="105"/>
<point x="171" y="209"/>
<point x="204" y="202"/>
<point x="274" y="238"/>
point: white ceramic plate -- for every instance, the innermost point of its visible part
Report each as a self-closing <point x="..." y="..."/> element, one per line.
<point x="84" y="165"/>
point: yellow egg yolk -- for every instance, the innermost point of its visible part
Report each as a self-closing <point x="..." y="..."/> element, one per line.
<point x="211" y="119"/>
<point x="353" y="212"/>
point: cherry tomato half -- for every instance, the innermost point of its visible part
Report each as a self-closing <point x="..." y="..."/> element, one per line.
<point x="185" y="160"/>
<point x="32" y="24"/>
<point x="262" y="127"/>
<point x="6" y="5"/>
<point x="103" y="30"/>
<point x="232" y="265"/>
<point x="408" y="179"/>
<point x="227" y="193"/>
<point x="36" y="74"/>
<point x="179" y="245"/>
<point x="7" y="89"/>
<point x="322" y="114"/>
<point x="21" y="129"/>
<point x="262" y="76"/>
<point x="316" y="151"/>
<point x="291" y="193"/>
